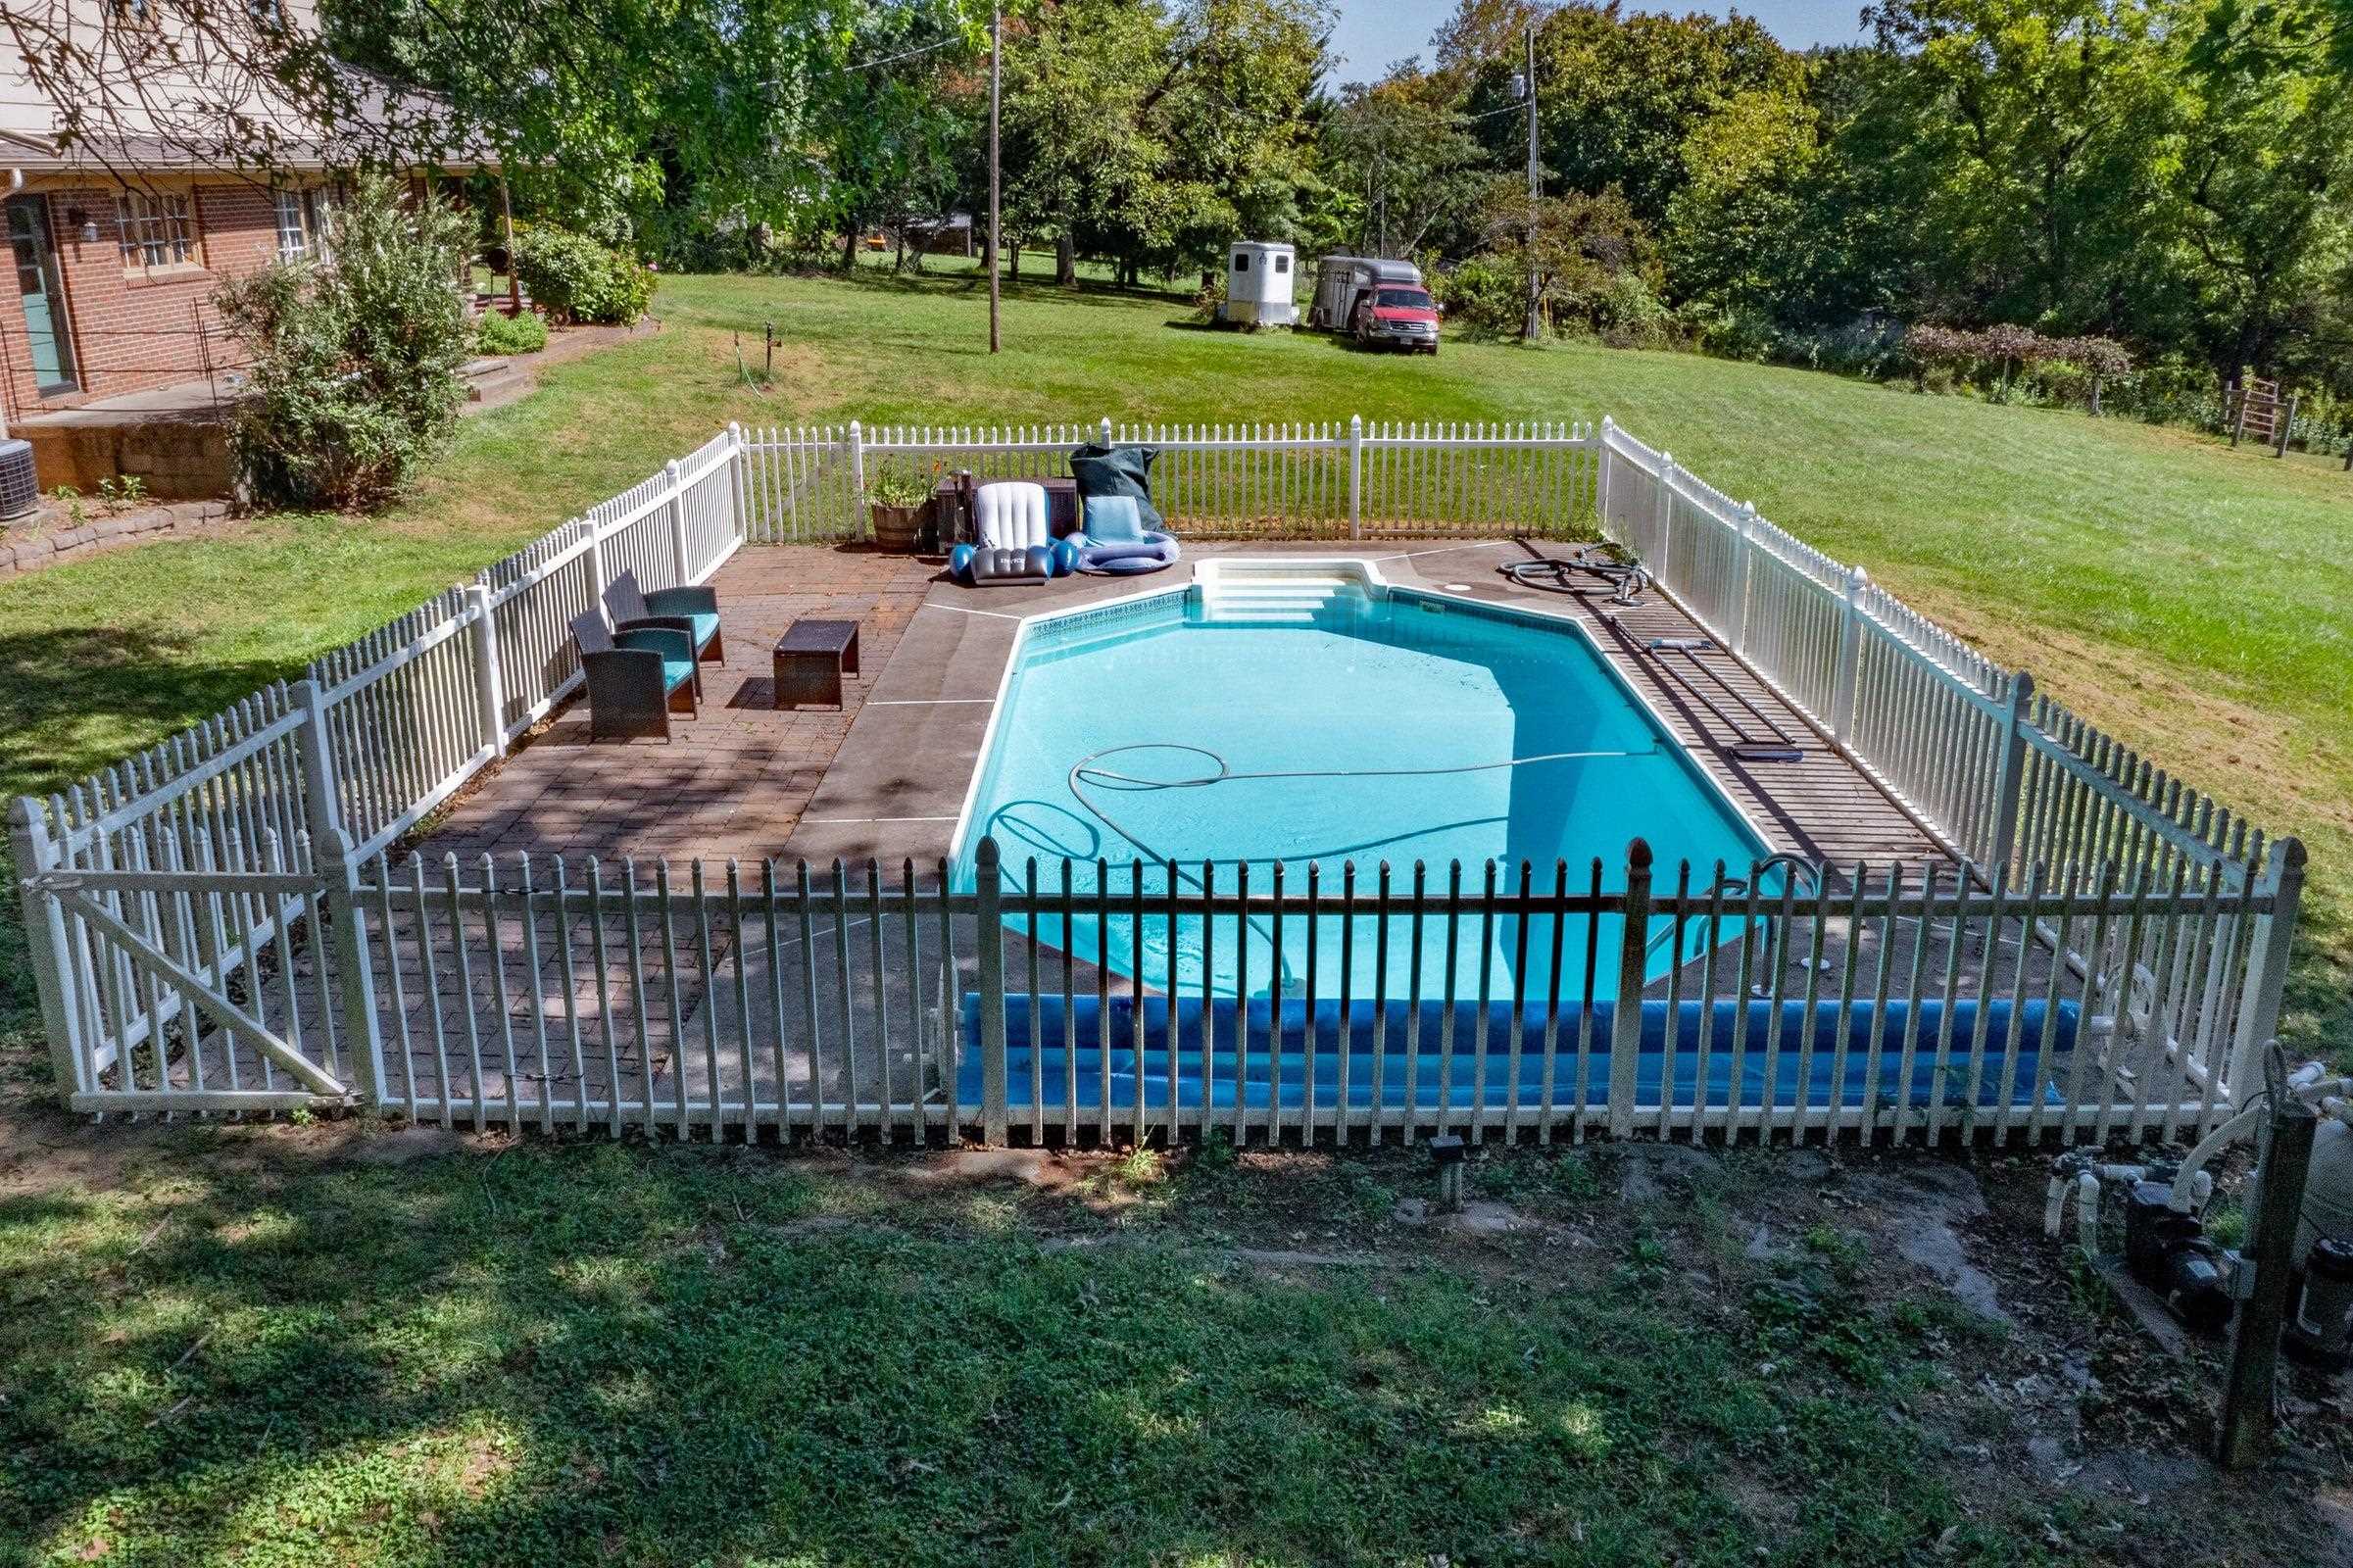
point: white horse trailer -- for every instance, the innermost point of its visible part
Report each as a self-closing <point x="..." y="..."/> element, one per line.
<point x="1260" y="279"/>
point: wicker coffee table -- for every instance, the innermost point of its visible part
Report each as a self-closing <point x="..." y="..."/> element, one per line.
<point x="812" y="657"/>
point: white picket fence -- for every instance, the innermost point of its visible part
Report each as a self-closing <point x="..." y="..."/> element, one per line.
<point x="1327" y="480"/>
<point x="215" y="925"/>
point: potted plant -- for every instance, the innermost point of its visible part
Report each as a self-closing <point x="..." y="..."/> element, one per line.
<point x="897" y="494"/>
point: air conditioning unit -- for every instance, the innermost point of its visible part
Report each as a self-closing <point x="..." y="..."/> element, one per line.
<point x="19" y="490"/>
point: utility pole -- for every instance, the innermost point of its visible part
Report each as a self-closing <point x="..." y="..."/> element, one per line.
<point x="1535" y="326"/>
<point x="995" y="60"/>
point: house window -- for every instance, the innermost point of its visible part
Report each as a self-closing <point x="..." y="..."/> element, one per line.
<point x="1282" y="263"/>
<point x="297" y="235"/>
<point x="157" y="229"/>
<point x="1242" y="262"/>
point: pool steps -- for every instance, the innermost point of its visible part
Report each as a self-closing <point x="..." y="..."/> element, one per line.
<point x="1264" y="592"/>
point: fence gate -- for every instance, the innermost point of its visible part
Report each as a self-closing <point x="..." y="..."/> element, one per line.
<point x="188" y="991"/>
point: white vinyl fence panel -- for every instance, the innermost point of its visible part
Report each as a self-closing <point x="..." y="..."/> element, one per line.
<point x="1311" y="480"/>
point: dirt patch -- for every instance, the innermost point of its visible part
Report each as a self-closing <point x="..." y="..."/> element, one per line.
<point x="44" y="1150"/>
<point x="1047" y="1170"/>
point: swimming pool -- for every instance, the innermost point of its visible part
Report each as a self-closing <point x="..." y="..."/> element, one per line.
<point x="1377" y="725"/>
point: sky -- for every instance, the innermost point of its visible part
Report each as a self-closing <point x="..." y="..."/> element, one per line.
<point x="1374" y="32"/>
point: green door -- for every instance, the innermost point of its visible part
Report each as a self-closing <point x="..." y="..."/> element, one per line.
<point x="44" y="302"/>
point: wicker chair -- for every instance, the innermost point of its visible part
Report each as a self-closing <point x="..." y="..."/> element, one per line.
<point x="638" y="677"/>
<point x="693" y="611"/>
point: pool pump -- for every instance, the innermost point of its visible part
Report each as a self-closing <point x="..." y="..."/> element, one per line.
<point x="2168" y="1251"/>
<point x="2166" y="1245"/>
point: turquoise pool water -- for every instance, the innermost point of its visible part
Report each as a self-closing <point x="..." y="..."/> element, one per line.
<point x="1396" y="729"/>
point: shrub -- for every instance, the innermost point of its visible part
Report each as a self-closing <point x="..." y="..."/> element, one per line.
<point x="1628" y="314"/>
<point x="1209" y="298"/>
<point x="2063" y="369"/>
<point x="499" y="333"/>
<point x="577" y="279"/>
<point x="354" y="382"/>
<point x="1487" y="295"/>
<point x="1733" y="334"/>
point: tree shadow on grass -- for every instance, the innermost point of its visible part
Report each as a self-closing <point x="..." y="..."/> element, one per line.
<point x="1023" y="290"/>
<point x="75" y="698"/>
<point x="689" y="1356"/>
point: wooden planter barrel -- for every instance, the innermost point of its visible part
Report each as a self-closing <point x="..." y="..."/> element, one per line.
<point x="898" y="528"/>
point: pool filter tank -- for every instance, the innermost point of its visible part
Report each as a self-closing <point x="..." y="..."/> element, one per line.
<point x="2320" y="1327"/>
<point x="2327" y="1213"/>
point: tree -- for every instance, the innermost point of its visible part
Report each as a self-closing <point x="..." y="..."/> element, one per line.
<point x="1082" y="80"/>
<point x="1410" y="159"/>
<point x="1737" y="228"/>
<point x="2040" y="117"/>
<point x="603" y="109"/>
<point x="1618" y="96"/>
<point x="884" y="127"/>
<point x="1155" y="134"/>
<point x="1587" y="249"/>
<point x="2257" y="165"/>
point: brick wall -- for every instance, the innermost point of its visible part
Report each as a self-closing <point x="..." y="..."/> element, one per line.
<point x="132" y="329"/>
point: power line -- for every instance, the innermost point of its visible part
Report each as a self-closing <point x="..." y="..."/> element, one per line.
<point x="904" y="54"/>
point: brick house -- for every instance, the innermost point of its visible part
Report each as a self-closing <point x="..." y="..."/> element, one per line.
<point x="114" y="279"/>
<point x="111" y="352"/>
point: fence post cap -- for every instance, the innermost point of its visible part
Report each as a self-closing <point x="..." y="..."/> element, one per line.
<point x="2290" y="850"/>
<point x="735" y="428"/>
<point x="854" y="428"/>
<point x="985" y="853"/>
<point x="1356" y="421"/>
<point x="1637" y="854"/>
<point x="1608" y="423"/>
<point x="2023" y="683"/>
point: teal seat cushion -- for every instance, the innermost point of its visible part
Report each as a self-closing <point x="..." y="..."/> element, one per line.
<point x="1114" y="519"/>
<point x="705" y="624"/>
<point x="676" y="672"/>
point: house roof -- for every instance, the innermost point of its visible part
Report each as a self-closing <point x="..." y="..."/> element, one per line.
<point x="148" y="110"/>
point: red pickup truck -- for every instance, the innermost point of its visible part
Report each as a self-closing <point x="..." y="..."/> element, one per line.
<point x="1399" y="316"/>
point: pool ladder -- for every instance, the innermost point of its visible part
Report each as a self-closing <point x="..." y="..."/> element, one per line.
<point x="1807" y="873"/>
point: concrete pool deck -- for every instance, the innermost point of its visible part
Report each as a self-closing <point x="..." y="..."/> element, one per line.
<point x="886" y="776"/>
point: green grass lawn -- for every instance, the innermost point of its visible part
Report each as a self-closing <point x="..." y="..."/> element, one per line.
<point x="2196" y="602"/>
<point x="244" y="1354"/>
